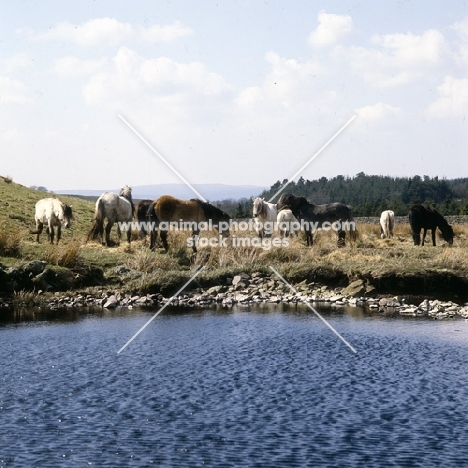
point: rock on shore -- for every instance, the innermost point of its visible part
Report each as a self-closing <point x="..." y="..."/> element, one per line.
<point x="258" y="288"/>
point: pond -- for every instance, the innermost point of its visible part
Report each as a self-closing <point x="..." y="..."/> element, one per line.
<point x="250" y="387"/>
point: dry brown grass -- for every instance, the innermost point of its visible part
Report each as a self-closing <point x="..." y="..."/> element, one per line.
<point x="10" y="243"/>
<point x="368" y="254"/>
<point x="64" y="255"/>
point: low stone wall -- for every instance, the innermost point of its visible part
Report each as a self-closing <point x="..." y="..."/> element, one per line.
<point x="455" y="220"/>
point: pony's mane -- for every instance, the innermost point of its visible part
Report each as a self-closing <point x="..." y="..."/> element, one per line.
<point x="210" y="210"/>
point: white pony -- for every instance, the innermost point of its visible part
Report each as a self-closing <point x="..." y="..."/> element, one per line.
<point x="52" y="212"/>
<point x="264" y="212"/>
<point x="116" y="208"/>
<point x="287" y="223"/>
<point x="387" y="222"/>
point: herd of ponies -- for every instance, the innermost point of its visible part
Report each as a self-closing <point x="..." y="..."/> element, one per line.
<point x="290" y="212"/>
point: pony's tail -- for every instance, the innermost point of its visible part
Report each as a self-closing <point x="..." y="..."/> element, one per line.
<point x="98" y="225"/>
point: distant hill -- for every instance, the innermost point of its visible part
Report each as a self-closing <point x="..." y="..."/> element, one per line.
<point x="211" y="192"/>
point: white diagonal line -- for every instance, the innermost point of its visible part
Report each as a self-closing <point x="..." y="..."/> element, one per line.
<point x="161" y="309"/>
<point x="311" y="159"/>
<point x="162" y="158"/>
<point x="316" y="313"/>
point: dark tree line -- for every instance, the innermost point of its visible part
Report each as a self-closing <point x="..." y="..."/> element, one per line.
<point x="369" y="195"/>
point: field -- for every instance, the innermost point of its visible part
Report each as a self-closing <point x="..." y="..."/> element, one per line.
<point x="390" y="265"/>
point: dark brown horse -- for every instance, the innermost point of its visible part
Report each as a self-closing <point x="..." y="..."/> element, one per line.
<point x="428" y="218"/>
<point x="187" y="214"/>
<point x="336" y="216"/>
<point x="141" y="209"/>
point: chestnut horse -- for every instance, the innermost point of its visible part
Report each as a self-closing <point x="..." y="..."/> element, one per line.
<point x="192" y="213"/>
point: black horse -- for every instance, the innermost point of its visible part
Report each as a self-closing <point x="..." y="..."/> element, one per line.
<point x="337" y="216"/>
<point x="428" y="218"/>
<point x="141" y="208"/>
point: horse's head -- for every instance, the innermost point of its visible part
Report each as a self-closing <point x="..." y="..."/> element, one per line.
<point x="257" y="207"/>
<point x="222" y="224"/>
<point x="447" y="234"/>
<point x="126" y="192"/>
<point x="67" y="216"/>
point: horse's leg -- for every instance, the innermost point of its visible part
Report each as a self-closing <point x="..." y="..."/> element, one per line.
<point x="195" y="234"/>
<point x="51" y="233"/>
<point x="163" y="234"/>
<point x="119" y="234"/>
<point x="341" y="238"/>
<point x="309" y="238"/>
<point x="108" y="230"/>
<point x="417" y="237"/>
<point x="433" y="232"/>
<point x="129" y="236"/>
<point x="39" y="228"/>
<point x="59" y="233"/>
<point x="424" y="236"/>
<point x="153" y="238"/>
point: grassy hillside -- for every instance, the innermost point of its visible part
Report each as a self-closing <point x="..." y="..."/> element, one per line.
<point x="17" y="204"/>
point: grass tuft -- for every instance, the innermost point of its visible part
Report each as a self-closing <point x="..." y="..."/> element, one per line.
<point x="63" y="255"/>
<point x="10" y="244"/>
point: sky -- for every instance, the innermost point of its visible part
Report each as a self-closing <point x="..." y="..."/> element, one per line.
<point x="93" y="94"/>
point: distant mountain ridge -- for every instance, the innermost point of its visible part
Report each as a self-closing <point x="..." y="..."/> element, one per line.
<point x="211" y="192"/>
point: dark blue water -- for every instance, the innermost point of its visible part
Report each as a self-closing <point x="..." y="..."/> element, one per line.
<point x="233" y="389"/>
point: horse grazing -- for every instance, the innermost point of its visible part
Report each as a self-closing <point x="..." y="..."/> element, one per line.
<point x="428" y="218"/>
<point x="265" y="215"/>
<point x="52" y="212"/>
<point x="116" y="209"/>
<point x="387" y="223"/>
<point x="287" y="222"/>
<point x="184" y="214"/>
<point x="332" y="215"/>
<point x="141" y="209"/>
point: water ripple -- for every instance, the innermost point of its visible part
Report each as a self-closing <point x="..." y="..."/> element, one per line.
<point x="233" y="389"/>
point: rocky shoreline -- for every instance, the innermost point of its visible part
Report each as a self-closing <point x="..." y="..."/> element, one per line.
<point x="246" y="290"/>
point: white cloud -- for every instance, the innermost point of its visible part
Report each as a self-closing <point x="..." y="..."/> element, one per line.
<point x="461" y="52"/>
<point x="16" y="62"/>
<point x="453" y="100"/>
<point x="461" y="28"/>
<point x="71" y="66"/>
<point x="378" y="111"/>
<point x="412" y="51"/>
<point x="110" y="32"/>
<point x="99" y="31"/>
<point x="12" y="91"/>
<point x="170" y="89"/>
<point x="289" y="80"/>
<point x="331" y="29"/>
<point x="168" y="33"/>
<point x="399" y="59"/>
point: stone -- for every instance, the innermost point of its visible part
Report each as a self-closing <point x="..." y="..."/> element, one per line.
<point x="355" y="289"/>
<point x="111" y="302"/>
<point x="34" y="268"/>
